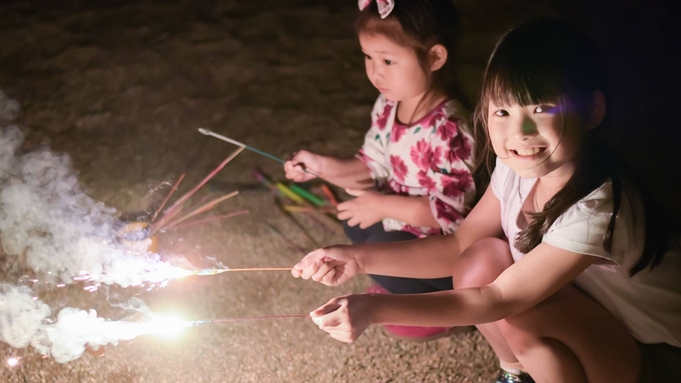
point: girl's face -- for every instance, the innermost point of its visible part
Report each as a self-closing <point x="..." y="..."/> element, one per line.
<point x="393" y="69"/>
<point x="535" y="140"/>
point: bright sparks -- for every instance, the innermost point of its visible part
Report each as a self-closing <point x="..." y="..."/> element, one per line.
<point x="12" y="362"/>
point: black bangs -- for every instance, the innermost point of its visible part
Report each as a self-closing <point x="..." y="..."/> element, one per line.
<point x="507" y="87"/>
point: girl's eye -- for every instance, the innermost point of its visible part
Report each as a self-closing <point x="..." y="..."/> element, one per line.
<point x="501" y="113"/>
<point x="388" y="62"/>
<point x="546" y="109"/>
<point x="367" y="57"/>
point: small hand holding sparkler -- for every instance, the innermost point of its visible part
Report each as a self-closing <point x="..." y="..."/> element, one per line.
<point x="303" y="166"/>
<point x="331" y="266"/>
<point x="345" y="318"/>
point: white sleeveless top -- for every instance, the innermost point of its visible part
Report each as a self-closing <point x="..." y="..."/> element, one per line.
<point x="649" y="303"/>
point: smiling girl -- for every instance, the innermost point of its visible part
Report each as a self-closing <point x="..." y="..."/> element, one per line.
<point x="412" y="177"/>
<point x="564" y="265"/>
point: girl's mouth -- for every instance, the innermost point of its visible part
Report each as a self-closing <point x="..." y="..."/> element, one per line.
<point x="527" y="153"/>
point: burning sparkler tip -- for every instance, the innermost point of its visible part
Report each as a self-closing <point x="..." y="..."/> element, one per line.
<point x="12" y="362"/>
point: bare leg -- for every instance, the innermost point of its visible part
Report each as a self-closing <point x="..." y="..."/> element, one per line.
<point x="480" y="265"/>
<point x="571" y="338"/>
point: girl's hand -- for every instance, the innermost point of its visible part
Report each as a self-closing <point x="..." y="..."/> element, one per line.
<point x="296" y="166"/>
<point x="345" y="318"/>
<point x="331" y="266"/>
<point x="365" y="210"/>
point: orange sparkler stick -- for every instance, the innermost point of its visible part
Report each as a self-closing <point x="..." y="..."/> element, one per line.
<point x="172" y="211"/>
<point x="210" y="219"/>
<point x="263" y="269"/>
<point x="165" y="200"/>
<point x="202" y="209"/>
<point x="329" y="194"/>
<point x="257" y="318"/>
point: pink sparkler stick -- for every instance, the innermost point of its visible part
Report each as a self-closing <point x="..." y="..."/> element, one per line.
<point x="257" y="318"/>
<point x="156" y="226"/>
<point x="165" y="200"/>
<point x="203" y="208"/>
<point x="210" y="219"/>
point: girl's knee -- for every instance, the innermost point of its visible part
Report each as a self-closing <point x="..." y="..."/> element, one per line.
<point x="481" y="263"/>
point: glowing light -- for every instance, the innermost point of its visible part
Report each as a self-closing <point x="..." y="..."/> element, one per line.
<point x="12" y="362"/>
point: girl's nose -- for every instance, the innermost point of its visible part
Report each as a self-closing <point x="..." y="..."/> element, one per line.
<point x="526" y="128"/>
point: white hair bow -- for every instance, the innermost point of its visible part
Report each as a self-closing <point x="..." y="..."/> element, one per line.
<point x="384" y="6"/>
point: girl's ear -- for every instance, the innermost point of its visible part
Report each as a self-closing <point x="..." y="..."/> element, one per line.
<point x="437" y="56"/>
<point x="598" y="109"/>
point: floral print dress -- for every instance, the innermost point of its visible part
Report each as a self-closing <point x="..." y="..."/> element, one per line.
<point x="432" y="157"/>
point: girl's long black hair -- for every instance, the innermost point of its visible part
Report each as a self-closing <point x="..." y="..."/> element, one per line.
<point x="548" y="61"/>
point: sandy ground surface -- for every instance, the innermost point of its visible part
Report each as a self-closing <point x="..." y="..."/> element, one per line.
<point x="122" y="86"/>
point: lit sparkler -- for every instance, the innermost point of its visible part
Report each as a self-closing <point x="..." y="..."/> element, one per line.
<point x="13" y="361"/>
<point x="215" y="271"/>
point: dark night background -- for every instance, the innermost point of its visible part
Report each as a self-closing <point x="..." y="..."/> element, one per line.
<point x="121" y="87"/>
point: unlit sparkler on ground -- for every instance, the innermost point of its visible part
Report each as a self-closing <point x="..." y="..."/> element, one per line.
<point x="175" y="208"/>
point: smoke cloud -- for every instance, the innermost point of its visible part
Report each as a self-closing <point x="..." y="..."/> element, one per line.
<point x="25" y="320"/>
<point x="49" y="223"/>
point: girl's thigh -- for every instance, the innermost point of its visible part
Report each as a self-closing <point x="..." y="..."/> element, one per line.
<point x="603" y="346"/>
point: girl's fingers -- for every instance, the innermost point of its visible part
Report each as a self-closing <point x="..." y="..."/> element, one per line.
<point x="354" y="221"/>
<point x="355" y="192"/>
<point x="311" y="269"/>
<point x="344" y="215"/>
<point x="327" y="308"/>
<point x="341" y="337"/>
<point x="321" y="270"/>
<point x="329" y="278"/>
<point x="344" y="206"/>
<point x="308" y="259"/>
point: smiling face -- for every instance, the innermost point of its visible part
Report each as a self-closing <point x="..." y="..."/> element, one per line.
<point x="393" y="69"/>
<point x="535" y="140"/>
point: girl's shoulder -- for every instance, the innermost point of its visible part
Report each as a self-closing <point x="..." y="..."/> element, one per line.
<point x="454" y="111"/>
<point x="452" y="115"/>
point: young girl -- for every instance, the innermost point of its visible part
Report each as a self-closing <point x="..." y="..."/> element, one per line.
<point x="563" y="265"/>
<point x="419" y="148"/>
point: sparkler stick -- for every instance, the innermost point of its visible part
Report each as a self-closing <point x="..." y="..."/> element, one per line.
<point x="216" y="271"/>
<point x="295" y="208"/>
<point x="165" y="200"/>
<point x="203" y="208"/>
<point x="262" y="153"/>
<point x="221" y="320"/>
<point x="172" y="211"/>
<point x="237" y="143"/>
<point x="317" y="201"/>
<point x="329" y="194"/>
<point x="210" y="219"/>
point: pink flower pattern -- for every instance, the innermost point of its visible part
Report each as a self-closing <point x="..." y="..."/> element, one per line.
<point x="432" y="157"/>
<point x="399" y="167"/>
<point x="421" y="154"/>
<point x="382" y="119"/>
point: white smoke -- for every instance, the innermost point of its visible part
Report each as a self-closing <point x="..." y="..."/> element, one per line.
<point x="25" y="321"/>
<point x="49" y="223"/>
<point x="20" y="315"/>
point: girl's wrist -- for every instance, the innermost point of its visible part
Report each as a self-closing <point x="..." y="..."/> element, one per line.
<point x="322" y="164"/>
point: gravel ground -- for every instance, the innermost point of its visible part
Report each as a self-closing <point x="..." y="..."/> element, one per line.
<point x="121" y="86"/>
